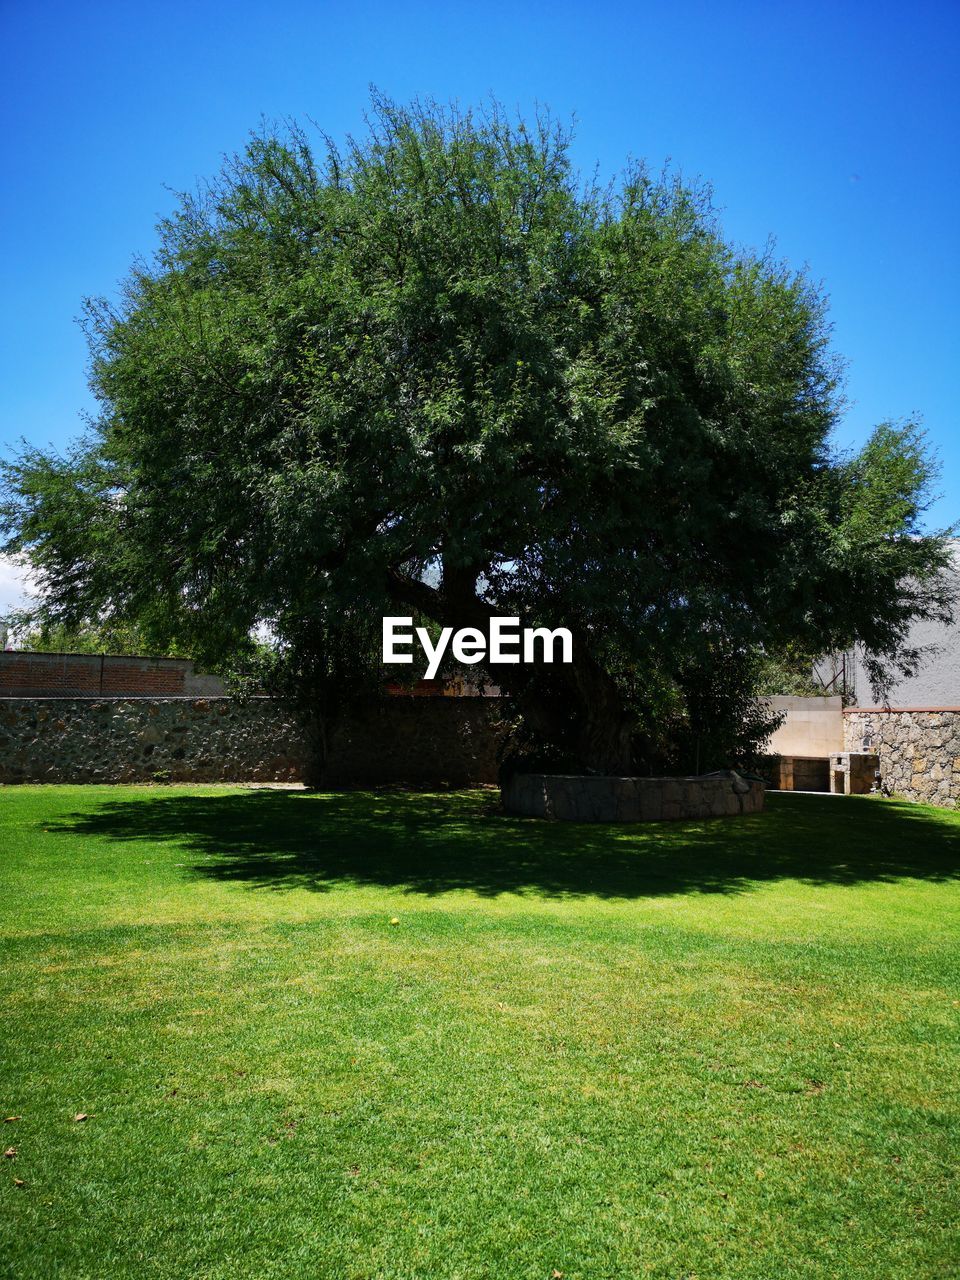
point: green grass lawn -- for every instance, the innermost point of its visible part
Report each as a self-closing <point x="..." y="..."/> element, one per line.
<point x="721" y="1050"/>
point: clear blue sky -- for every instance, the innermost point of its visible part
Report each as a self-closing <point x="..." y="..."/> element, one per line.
<point x="833" y="127"/>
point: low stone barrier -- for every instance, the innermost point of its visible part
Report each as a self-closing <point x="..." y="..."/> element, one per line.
<point x="578" y="798"/>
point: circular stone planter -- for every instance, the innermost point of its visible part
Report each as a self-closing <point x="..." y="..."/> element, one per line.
<point x="583" y="798"/>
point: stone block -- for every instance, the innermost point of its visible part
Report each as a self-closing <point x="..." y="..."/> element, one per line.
<point x="576" y="798"/>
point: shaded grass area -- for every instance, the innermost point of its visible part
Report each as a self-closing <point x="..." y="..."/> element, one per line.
<point x="432" y="844"/>
<point x="726" y="1049"/>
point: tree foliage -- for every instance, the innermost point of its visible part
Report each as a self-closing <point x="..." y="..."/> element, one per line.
<point x="110" y="636"/>
<point x="434" y="372"/>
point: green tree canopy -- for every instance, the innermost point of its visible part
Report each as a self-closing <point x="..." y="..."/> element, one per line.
<point x="434" y="372"/>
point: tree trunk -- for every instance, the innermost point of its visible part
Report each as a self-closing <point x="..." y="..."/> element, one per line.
<point x="315" y="733"/>
<point x="605" y="744"/>
<point x="603" y="728"/>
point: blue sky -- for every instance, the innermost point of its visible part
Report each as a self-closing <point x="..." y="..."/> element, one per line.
<point x="832" y="127"/>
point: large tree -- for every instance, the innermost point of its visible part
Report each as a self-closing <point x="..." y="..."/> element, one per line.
<point x="435" y="373"/>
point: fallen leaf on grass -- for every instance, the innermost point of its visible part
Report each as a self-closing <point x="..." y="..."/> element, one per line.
<point x="556" y="1275"/>
<point x="10" y="1119"/>
<point x="19" y="1182"/>
<point x="81" y="1115"/>
<point x="10" y="1153"/>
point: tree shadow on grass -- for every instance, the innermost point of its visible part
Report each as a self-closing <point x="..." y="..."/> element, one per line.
<point x="432" y="844"/>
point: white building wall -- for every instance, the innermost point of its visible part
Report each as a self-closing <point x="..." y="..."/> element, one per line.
<point x="937" y="682"/>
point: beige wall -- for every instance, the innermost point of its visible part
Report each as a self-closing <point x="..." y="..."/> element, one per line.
<point x="812" y="727"/>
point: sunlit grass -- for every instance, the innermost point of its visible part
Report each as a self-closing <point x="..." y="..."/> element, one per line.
<point x="723" y="1049"/>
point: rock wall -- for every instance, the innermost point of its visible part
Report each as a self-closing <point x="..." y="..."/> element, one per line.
<point x="575" y="798"/>
<point x="419" y="741"/>
<point x="919" y="751"/>
<point x="399" y="740"/>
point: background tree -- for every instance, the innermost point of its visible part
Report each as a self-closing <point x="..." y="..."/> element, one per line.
<point x="432" y="372"/>
<point x="26" y="630"/>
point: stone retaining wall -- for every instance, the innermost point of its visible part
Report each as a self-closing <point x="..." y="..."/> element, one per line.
<point x="919" y="750"/>
<point x="399" y="740"/>
<point x="575" y="798"/>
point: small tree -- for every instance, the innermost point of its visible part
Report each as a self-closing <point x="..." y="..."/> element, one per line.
<point x="433" y="373"/>
<point x="110" y="637"/>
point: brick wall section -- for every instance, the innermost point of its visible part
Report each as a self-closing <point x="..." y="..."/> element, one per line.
<point x="919" y="750"/>
<point x="26" y="675"/>
<point x="40" y="675"/>
<point x="400" y="740"/>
